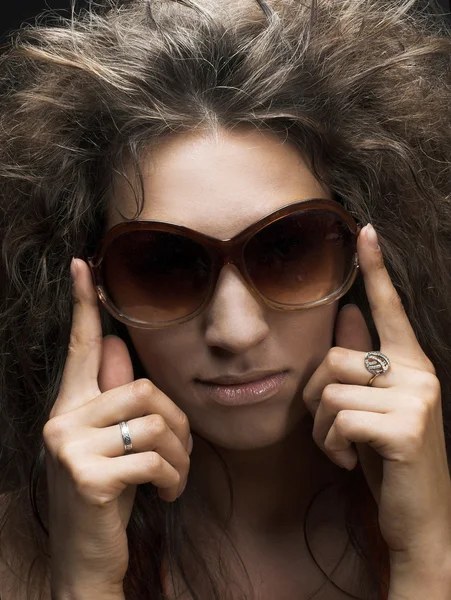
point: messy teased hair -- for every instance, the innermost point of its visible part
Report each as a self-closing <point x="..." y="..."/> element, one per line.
<point x="361" y="87"/>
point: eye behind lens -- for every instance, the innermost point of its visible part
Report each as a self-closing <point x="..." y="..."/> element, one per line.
<point x="302" y="258"/>
<point x="156" y="276"/>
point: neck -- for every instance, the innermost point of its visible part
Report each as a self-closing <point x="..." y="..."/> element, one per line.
<point x="272" y="486"/>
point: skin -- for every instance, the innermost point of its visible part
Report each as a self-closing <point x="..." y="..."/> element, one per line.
<point x="249" y="175"/>
<point x="325" y="414"/>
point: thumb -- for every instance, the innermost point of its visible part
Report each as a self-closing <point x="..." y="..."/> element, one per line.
<point x="116" y="367"/>
<point x="351" y="330"/>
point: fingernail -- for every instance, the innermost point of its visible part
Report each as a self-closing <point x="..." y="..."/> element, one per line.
<point x="190" y="444"/>
<point x="372" y="237"/>
<point x="73" y="269"/>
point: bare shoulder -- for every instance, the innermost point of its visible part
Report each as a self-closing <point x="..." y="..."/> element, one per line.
<point x="15" y="568"/>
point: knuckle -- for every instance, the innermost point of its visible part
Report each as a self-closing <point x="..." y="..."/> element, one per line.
<point x="183" y="422"/>
<point x="52" y="413"/>
<point x="331" y="394"/>
<point x="420" y="409"/>
<point x="83" y="479"/>
<point x="154" y="461"/>
<point x="335" y="357"/>
<point x="414" y="436"/>
<point x="89" y="485"/>
<point x="429" y="366"/>
<point x="427" y="395"/>
<point x="142" y="388"/>
<point x="66" y="455"/>
<point x="431" y="385"/>
<point x="54" y="431"/>
<point x="157" y="425"/>
<point x="328" y="445"/>
<point x="342" y="421"/>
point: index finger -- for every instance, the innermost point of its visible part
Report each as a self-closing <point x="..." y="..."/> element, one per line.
<point x="390" y="318"/>
<point x="132" y="401"/>
<point x="80" y="377"/>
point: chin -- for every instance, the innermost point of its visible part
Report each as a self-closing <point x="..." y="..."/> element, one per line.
<point x="252" y="431"/>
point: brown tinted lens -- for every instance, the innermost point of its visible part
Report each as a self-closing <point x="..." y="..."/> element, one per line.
<point x="156" y="276"/>
<point x="301" y="258"/>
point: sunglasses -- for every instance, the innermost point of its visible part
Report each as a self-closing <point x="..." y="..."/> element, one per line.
<point x="151" y="274"/>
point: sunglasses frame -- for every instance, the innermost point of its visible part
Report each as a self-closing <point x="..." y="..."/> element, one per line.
<point x="222" y="252"/>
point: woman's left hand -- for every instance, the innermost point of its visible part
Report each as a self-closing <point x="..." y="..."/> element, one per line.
<point x="395" y="427"/>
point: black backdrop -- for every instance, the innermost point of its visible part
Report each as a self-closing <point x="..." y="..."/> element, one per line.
<point x="14" y="12"/>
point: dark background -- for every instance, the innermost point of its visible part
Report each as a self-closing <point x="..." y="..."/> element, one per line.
<point x="16" y="12"/>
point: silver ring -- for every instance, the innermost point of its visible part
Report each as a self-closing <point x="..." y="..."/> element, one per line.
<point x="376" y="363"/>
<point x="126" y="437"/>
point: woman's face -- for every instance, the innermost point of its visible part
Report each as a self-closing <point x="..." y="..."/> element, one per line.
<point x="219" y="184"/>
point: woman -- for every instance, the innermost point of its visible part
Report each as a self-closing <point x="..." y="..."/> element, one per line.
<point x="265" y="417"/>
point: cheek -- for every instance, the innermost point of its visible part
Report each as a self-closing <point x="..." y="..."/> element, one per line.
<point x="163" y="353"/>
<point x="306" y="336"/>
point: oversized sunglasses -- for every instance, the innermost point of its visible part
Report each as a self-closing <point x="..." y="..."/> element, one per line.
<point x="152" y="274"/>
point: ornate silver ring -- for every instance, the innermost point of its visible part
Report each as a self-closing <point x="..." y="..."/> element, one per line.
<point x="376" y="363"/>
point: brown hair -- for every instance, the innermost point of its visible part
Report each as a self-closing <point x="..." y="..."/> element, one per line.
<point x="361" y="87"/>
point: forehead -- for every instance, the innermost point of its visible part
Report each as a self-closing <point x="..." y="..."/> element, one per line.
<point x="217" y="183"/>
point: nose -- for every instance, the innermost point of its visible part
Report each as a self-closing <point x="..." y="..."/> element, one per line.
<point x="235" y="319"/>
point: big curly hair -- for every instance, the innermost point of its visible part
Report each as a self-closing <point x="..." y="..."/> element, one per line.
<point x="361" y="87"/>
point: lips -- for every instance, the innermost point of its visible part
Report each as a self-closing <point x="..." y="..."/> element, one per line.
<point x="250" y="388"/>
<point x="239" y="379"/>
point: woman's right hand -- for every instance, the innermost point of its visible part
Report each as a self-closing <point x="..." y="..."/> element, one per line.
<point x="91" y="482"/>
